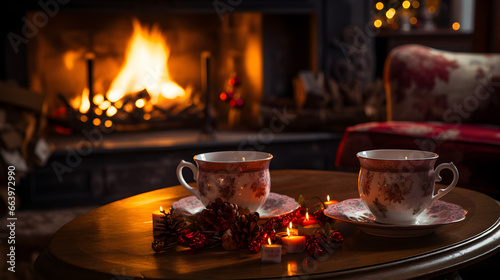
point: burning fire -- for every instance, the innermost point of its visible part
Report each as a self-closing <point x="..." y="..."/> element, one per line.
<point x="145" y="67"/>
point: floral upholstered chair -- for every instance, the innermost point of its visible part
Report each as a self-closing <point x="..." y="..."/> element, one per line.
<point x="439" y="101"/>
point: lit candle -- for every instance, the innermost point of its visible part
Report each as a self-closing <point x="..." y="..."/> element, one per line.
<point x="293" y="244"/>
<point x="307" y="221"/>
<point x="157" y="215"/>
<point x="270" y="253"/>
<point x="329" y="202"/>
<point x="292" y="231"/>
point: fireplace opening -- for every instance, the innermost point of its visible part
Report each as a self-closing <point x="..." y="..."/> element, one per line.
<point x="129" y="72"/>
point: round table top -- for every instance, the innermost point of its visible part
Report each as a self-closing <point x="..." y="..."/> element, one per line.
<point x="114" y="241"/>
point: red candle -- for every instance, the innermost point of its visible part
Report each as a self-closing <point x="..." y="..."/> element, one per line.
<point x="307" y="221"/>
<point x="329" y="202"/>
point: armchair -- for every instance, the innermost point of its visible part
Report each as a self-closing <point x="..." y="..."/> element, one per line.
<point x="439" y="101"/>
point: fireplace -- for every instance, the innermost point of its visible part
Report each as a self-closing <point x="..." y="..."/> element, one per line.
<point x="148" y="70"/>
<point x="139" y="66"/>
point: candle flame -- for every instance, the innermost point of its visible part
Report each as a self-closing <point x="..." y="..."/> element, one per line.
<point x="161" y="209"/>
<point x="269" y="240"/>
<point x="328" y="198"/>
<point x="288" y="232"/>
<point x="290" y="225"/>
<point x="307" y="216"/>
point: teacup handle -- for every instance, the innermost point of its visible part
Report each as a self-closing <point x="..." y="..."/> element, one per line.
<point x="193" y="168"/>
<point x="437" y="178"/>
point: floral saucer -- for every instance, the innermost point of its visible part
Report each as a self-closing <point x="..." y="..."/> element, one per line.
<point x="274" y="206"/>
<point x="354" y="211"/>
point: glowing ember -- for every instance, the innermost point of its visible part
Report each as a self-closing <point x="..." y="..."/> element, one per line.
<point x="145" y="67"/>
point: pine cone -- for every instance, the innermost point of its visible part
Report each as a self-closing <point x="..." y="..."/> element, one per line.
<point x="170" y="226"/>
<point x="245" y="229"/>
<point x="218" y="216"/>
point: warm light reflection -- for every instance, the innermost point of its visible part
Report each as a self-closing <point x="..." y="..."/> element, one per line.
<point x="145" y="67"/>
<point x="69" y="58"/>
<point x="292" y="267"/>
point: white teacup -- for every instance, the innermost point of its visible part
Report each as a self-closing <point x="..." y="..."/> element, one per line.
<point x="398" y="185"/>
<point x="240" y="177"/>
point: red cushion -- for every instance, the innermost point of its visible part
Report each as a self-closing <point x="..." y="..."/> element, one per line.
<point x="458" y="143"/>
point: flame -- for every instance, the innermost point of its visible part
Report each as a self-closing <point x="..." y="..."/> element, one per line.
<point x="85" y="103"/>
<point x="307" y="216"/>
<point x="145" y="67"/>
<point x="269" y="240"/>
<point x="290" y="225"/>
<point x="287" y="231"/>
<point x="161" y="209"/>
<point x="328" y="198"/>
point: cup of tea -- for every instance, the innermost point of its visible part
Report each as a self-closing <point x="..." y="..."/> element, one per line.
<point x="240" y="177"/>
<point x="398" y="185"/>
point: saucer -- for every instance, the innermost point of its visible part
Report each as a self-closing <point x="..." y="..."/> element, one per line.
<point x="274" y="206"/>
<point x="354" y="211"/>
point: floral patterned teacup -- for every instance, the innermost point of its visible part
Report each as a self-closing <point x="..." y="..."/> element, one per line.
<point x="240" y="177"/>
<point x="398" y="185"/>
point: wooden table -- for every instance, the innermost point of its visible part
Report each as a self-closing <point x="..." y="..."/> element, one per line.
<point x="114" y="241"/>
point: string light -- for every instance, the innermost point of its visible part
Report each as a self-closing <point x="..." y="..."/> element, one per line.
<point x="379" y="6"/>
<point x="390" y="13"/>
<point x="377" y="23"/>
<point x="455" y="26"/>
